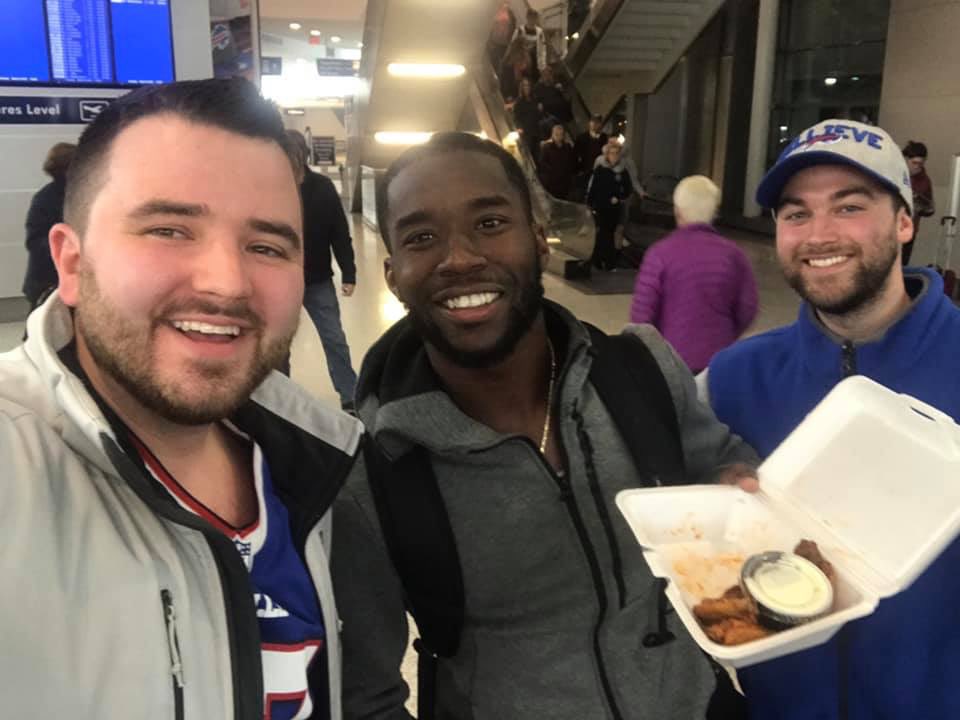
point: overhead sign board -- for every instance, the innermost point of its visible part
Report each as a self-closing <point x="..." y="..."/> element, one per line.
<point x="336" y="67"/>
<point x="26" y="110"/>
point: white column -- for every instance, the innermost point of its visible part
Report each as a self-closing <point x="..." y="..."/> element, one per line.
<point x="762" y="102"/>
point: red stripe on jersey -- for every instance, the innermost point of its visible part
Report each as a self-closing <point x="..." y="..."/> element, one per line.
<point x="291" y="647"/>
<point x="183" y="495"/>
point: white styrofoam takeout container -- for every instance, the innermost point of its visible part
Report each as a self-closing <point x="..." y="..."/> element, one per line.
<point x="872" y="476"/>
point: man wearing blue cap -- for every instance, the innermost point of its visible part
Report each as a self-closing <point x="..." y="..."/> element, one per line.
<point x="840" y="194"/>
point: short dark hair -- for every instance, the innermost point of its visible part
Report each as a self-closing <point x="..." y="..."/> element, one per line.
<point x="296" y="147"/>
<point x="914" y="149"/>
<point x="232" y="104"/>
<point x="441" y="144"/>
<point x="58" y="160"/>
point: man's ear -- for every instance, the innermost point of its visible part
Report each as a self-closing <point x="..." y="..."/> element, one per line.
<point x="388" y="275"/>
<point x="904" y="226"/>
<point x="66" y="251"/>
<point x="543" y="248"/>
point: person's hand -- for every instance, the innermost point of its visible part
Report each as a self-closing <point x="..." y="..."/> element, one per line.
<point x="347" y="289"/>
<point x="741" y="475"/>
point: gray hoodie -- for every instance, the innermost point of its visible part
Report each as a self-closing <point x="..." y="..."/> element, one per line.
<point x="536" y="641"/>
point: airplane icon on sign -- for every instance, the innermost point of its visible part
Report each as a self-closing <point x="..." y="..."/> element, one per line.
<point x="90" y="109"/>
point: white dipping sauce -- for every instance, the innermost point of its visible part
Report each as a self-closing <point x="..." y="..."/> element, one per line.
<point x="792" y="588"/>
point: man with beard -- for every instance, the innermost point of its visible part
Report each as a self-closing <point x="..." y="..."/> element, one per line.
<point x="165" y="494"/>
<point x="489" y="387"/>
<point x="842" y="202"/>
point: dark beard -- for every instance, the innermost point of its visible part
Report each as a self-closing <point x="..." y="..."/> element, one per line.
<point x="523" y="313"/>
<point x="140" y="385"/>
<point x="868" y="284"/>
<point x="120" y="352"/>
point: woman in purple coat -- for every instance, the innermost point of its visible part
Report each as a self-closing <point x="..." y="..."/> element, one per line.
<point x="695" y="286"/>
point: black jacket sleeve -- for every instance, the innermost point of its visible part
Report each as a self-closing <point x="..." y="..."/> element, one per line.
<point x="340" y="240"/>
<point x="627" y="185"/>
<point x="325" y="230"/>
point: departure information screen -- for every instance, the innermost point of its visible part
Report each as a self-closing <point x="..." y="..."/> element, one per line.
<point x="86" y="42"/>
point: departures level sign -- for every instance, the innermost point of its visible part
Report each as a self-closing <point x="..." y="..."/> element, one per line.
<point x="19" y="110"/>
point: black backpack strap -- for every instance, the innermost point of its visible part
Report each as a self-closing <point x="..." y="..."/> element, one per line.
<point x="629" y="381"/>
<point x="422" y="547"/>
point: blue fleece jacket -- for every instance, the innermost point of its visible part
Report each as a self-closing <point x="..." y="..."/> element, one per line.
<point x="901" y="662"/>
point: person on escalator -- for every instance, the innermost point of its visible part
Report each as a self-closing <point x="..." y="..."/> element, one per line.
<point x="589" y="146"/>
<point x="536" y="43"/>
<point x="549" y="93"/>
<point x="526" y="116"/>
<point x="513" y="68"/>
<point x="504" y="26"/>
<point x="557" y="163"/>
<point x="609" y="189"/>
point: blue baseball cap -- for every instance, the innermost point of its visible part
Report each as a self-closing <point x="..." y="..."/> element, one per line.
<point x="868" y="149"/>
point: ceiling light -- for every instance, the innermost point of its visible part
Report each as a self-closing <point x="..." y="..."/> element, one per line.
<point x="359" y="44"/>
<point x="295" y="26"/>
<point x="829" y="81"/>
<point x="296" y="111"/>
<point x="426" y="70"/>
<point x="855" y="78"/>
<point x="576" y="36"/>
<point x="402" y="138"/>
<point x="316" y="33"/>
<point x="783" y="128"/>
<point x="335" y="38"/>
<point x="512" y="138"/>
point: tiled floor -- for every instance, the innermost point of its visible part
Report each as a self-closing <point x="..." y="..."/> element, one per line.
<point x="372" y="309"/>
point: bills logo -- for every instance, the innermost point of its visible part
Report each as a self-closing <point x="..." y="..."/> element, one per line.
<point x="833" y="134"/>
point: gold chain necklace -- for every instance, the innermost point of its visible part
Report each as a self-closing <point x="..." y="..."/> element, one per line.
<point x="546" y="420"/>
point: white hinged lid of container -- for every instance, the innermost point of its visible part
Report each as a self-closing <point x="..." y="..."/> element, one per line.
<point x="878" y="473"/>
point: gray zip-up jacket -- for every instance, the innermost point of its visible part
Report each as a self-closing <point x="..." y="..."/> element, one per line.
<point x="537" y="571"/>
<point x="115" y="602"/>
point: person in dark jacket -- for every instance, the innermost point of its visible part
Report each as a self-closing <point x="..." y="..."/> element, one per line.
<point x="610" y="187"/>
<point x="513" y="68"/>
<point x="915" y="154"/>
<point x="557" y="163"/>
<point x="46" y="210"/>
<point x="325" y="228"/>
<point x="552" y="102"/>
<point x="588" y="147"/>
<point x="526" y="115"/>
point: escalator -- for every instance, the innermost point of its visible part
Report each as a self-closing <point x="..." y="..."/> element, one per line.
<point x="569" y="226"/>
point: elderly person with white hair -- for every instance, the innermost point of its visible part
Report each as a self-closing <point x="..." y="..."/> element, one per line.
<point x="695" y="286"/>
